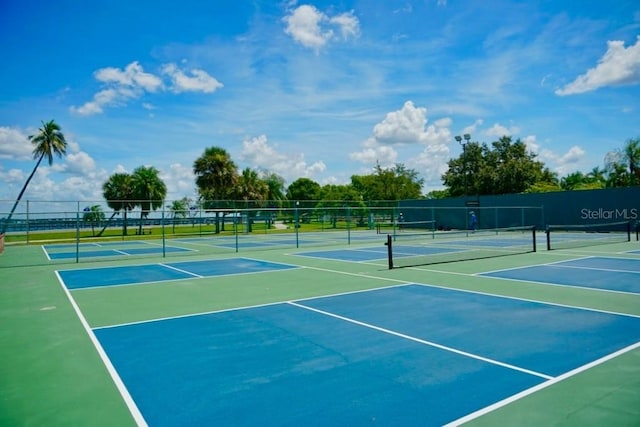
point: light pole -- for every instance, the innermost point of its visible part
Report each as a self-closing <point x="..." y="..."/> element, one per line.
<point x="467" y="138"/>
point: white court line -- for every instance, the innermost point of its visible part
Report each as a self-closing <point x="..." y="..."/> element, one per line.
<point x="126" y="396"/>
<point x="518" y="396"/>
<point x="545" y="283"/>
<point x="421" y="341"/>
<point x="398" y="282"/>
<point x="612" y="270"/>
<point x="181" y="270"/>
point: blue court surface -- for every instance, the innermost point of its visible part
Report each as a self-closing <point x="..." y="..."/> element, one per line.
<point x="606" y="273"/>
<point x="405" y="355"/>
<point x="354" y="255"/>
<point x="377" y="253"/>
<point x="109" y="249"/>
<point x="263" y="244"/>
<point x="486" y="242"/>
<point x="138" y="274"/>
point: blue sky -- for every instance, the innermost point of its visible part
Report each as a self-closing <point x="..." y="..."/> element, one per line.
<point x="319" y="89"/>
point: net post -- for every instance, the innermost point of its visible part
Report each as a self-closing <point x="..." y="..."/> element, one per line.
<point x="535" y="246"/>
<point x="389" y="251"/>
<point x="548" y="240"/>
<point x="628" y="231"/>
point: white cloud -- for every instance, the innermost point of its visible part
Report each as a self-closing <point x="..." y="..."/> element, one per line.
<point x="199" y="81"/>
<point x="562" y="164"/>
<point x="618" y="66"/>
<point x="407" y="127"/>
<point x="498" y="131"/>
<point x="80" y="163"/>
<point x="348" y="25"/>
<point x="132" y="82"/>
<point x="133" y="76"/>
<point x="431" y="163"/>
<point x="120" y="169"/>
<point x="471" y="129"/>
<point x="180" y="181"/>
<point x="259" y="154"/>
<point x="314" y="29"/>
<point x="11" y="179"/>
<point x="531" y="143"/>
<point x="304" y="26"/>
<point x="14" y="144"/>
<point x="373" y="153"/>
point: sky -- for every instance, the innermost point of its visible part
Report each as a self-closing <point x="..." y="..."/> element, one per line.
<point x="319" y="89"/>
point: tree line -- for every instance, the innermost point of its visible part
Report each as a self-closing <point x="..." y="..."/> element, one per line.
<point x="503" y="167"/>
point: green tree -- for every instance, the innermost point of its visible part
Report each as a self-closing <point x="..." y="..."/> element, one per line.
<point x="149" y="191"/>
<point x="631" y="154"/>
<point x="303" y="189"/>
<point x="251" y="189"/>
<point x="216" y="174"/>
<point x="438" y="194"/>
<point x="597" y="177"/>
<point x="573" y="181"/>
<point x="622" y="167"/>
<point x="94" y="216"/>
<point x="580" y="181"/>
<point x="119" y="192"/>
<point x="341" y="201"/>
<point x="395" y="183"/>
<point x="49" y="141"/>
<point x="547" y="182"/>
<point x="275" y="185"/>
<point x="365" y="186"/>
<point x="506" y="167"/>
<point x="216" y="179"/>
<point x="617" y="175"/>
<point x="179" y="209"/>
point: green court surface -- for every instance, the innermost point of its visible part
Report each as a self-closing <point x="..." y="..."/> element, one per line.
<point x="53" y="372"/>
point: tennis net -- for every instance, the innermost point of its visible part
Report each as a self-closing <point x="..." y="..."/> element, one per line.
<point x="439" y="247"/>
<point x="407" y="227"/>
<point x="575" y="236"/>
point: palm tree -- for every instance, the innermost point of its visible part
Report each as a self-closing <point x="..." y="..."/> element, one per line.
<point x="149" y="191"/>
<point x="179" y="209"/>
<point x="251" y="188"/>
<point x="49" y="141"/>
<point x="618" y="176"/>
<point x="216" y="177"/>
<point x="623" y="165"/>
<point x="216" y="174"/>
<point x="93" y="215"/>
<point x="275" y="184"/>
<point x="275" y="192"/>
<point x="120" y="196"/>
<point x="631" y="153"/>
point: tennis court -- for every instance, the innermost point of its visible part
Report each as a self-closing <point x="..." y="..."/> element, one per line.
<point x="329" y="336"/>
<point x="107" y="249"/>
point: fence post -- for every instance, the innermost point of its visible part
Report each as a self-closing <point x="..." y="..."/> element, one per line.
<point x="164" y="240"/>
<point x="389" y="251"/>
<point x="78" y="232"/>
